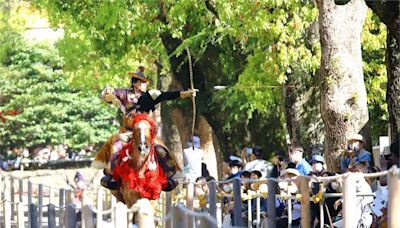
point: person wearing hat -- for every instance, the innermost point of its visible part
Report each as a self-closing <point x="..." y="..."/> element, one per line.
<point x="192" y="159"/>
<point x="317" y="164"/>
<point x="235" y="167"/>
<point x="355" y="153"/>
<point x="131" y="101"/>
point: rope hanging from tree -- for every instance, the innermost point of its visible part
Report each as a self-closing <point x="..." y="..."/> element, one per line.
<point x="193" y="98"/>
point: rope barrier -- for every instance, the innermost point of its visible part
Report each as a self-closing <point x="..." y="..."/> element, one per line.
<point x="106" y="212"/>
<point x="212" y="219"/>
<point x="4" y="178"/>
<point x="197" y="214"/>
<point x="319" y="179"/>
<point x="38" y="205"/>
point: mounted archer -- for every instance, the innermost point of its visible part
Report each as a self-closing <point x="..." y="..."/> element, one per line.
<point x="133" y="101"/>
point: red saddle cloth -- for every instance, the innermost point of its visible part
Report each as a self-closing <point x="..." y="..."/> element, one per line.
<point x="150" y="184"/>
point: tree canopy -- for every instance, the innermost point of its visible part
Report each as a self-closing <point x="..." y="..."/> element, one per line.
<point x="264" y="51"/>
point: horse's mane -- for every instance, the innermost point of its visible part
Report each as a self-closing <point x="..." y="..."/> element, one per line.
<point x="147" y="117"/>
<point x="147" y="182"/>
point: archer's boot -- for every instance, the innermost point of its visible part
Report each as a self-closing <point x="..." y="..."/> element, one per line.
<point x="172" y="183"/>
<point x="108" y="182"/>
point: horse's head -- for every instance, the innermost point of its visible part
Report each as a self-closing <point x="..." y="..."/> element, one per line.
<point x="143" y="135"/>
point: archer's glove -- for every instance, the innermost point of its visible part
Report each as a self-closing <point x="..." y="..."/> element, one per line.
<point x="189" y="93"/>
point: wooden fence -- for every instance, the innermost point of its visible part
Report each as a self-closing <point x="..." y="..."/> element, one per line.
<point x="44" y="206"/>
<point x="25" y="204"/>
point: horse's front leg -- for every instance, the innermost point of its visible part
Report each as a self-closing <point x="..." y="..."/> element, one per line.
<point x="143" y="213"/>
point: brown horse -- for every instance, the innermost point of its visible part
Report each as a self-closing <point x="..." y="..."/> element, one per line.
<point x="137" y="169"/>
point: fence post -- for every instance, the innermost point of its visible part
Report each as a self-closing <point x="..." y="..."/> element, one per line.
<point x="237" y="203"/>
<point x="70" y="216"/>
<point x="33" y="216"/>
<point x="1" y="191"/>
<point x="258" y="211"/>
<point x="349" y="200"/>
<point x="179" y="218"/>
<point x="212" y="198"/>
<point x="40" y="204"/>
<point x="12" y="197"/>
<point x="289" y="211"/>
<point x="7" y="214"/>
<point x="51" y="215"/>
<point x="321" y="213"/>
<point x="61" y="199"/>
<point x="305" y="202"/>
<point x="112" y="204"/>
<point x="189" y="203"/>
<point x="29" y="192"/>
<point x="203" y="222"/>
<point x="51" y="194"/>
<point x="271" y="208"/>
<point x="87" y="217"/>
<point x="20" y="215"/>
<point x="394" y="197"/>
<point x="20" y="189"/>
<point x="168" y="208"/>
<point x="99" y="215"/>
<point x="120" y="212"/>
<point x="249" y="214"/>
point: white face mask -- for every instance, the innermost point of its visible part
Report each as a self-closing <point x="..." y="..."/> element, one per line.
<point x="296" y="157"/>
<point x="336" y="186"/>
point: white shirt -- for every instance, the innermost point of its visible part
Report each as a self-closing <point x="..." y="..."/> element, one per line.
<point x="263" y="166"/>
<point x="192" y="163"/>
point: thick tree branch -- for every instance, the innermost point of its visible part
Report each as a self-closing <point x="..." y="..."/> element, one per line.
<point x="210" y="5"/>
<point x="388" y="11"/>
<point x="163" y="12"/>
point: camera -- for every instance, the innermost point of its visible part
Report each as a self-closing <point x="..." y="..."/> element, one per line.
<point x="350" y="147"/>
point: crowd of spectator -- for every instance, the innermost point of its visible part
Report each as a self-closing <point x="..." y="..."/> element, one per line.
<point x="249" y="164"/>
<point x="17" y="157"/>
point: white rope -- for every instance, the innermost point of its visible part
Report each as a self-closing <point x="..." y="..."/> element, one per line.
<point x="106" y="212"/>
<point x="319" y="179"/>
<point x="165" y="218"/>
<point x="197" y="214"/>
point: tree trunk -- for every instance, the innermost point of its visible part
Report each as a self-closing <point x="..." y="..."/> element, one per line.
<point x="393" y="83"/>
<point x="343" y="95"/>
<point x="388" y="12"/>
<point x="292" y="113"/>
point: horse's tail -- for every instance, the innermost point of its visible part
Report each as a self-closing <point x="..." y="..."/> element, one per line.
<point x="103" y="157"/>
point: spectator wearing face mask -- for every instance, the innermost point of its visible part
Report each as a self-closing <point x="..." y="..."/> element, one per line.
<point x="296" y="156"/>
<point x="355" y="153"/>
<point x="317" y="165"/>
<point x="235" y="165"/>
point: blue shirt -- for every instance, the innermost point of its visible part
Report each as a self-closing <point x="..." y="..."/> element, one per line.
<point x="361" y="156"/>
<point x="303" y="167"/>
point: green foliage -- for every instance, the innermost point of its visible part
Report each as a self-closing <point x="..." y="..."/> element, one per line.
<point x="105" y="39"/>
<point x="49" y="110"/>
<point x="374" y="67"/>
